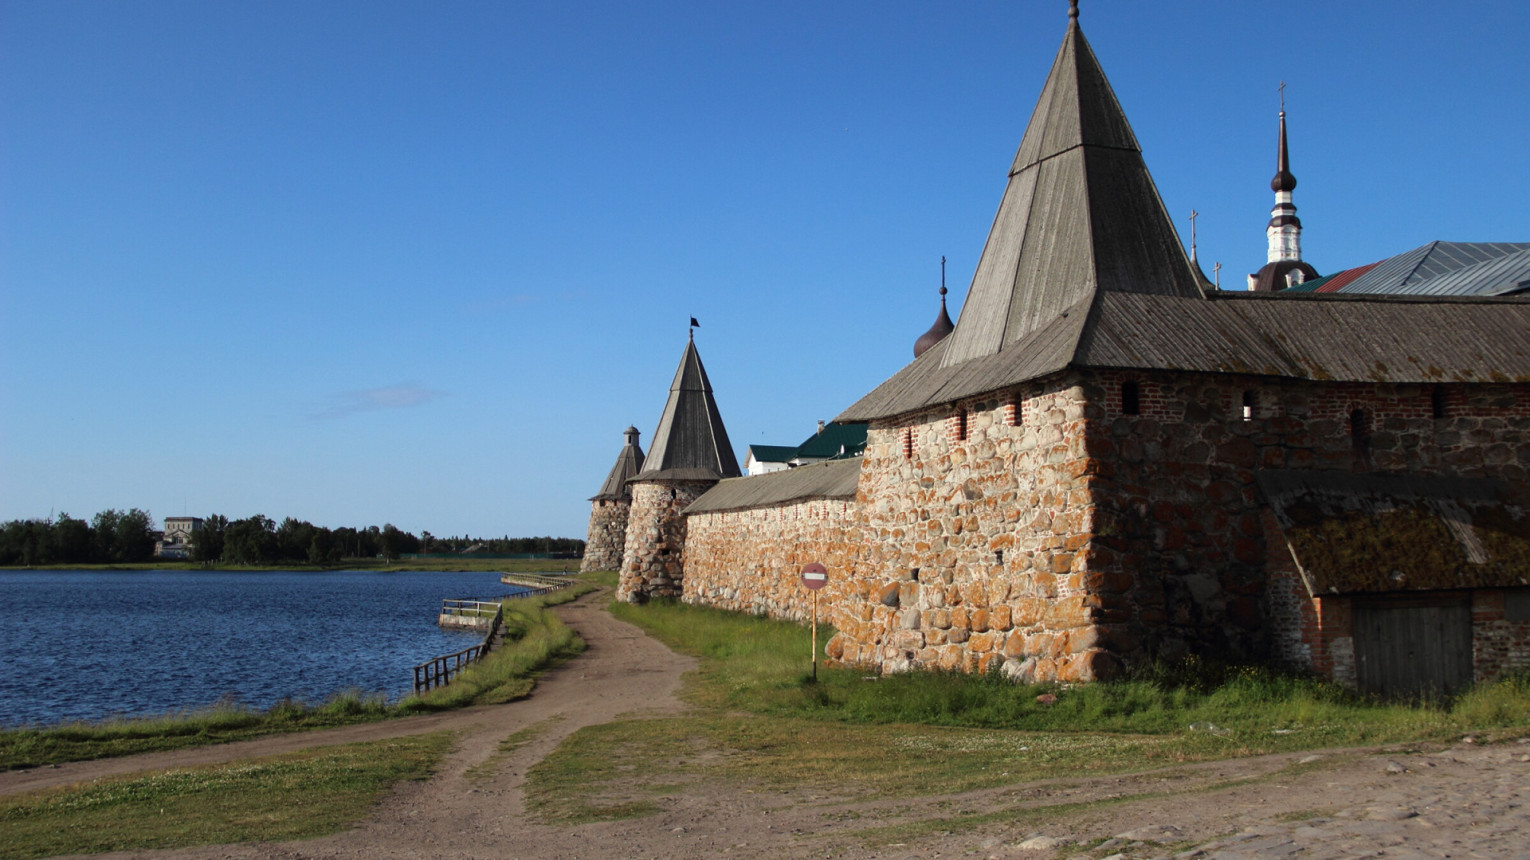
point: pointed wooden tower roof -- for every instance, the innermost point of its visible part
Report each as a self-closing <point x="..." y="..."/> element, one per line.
<point x="691" y="443"/>
<point x="1080" y="219"/>
<point x="1080" y="215"/>
<point x="628" y="463"/>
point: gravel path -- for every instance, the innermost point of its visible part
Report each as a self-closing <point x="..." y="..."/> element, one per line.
<point x="1466" y="800"/>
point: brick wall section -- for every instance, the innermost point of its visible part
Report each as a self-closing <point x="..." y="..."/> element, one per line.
<point x="606" y="539"/>
<point x="972" y="554"/>
<point x="654" y="553"/>
<point x="1180" y="517"/>
<point x="1499" y="644"/>
<point x="751" y="560"/>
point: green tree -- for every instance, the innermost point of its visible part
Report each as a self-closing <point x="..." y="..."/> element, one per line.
<point x="71" y="540"/>
<point x="134" y="540"/>
<point x="250" y="541"/>
<point x="207" y="544"/>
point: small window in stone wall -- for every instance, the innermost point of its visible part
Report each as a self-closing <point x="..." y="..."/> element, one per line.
<point x="1249" y="401"/>
<point x="913" y="573"/>
<point x="998" y="557"/>
<point x="1360" y="435"/>
<point x="1131" y="398"/>
<point x="1437" y="401"/>
<point x="961" y="426"/>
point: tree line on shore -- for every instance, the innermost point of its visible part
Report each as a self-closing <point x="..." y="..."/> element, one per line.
<point x="124" y="537"/>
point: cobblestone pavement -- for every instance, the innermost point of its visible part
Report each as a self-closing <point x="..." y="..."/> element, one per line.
<point x="1467" y="801"/>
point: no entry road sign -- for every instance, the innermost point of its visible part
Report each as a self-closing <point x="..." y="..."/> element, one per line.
<point x="814" y="576"/>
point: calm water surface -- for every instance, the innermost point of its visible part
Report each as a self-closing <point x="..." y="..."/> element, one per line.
<point x="94" y="644"/>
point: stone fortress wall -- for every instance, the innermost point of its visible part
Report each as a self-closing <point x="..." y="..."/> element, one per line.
<point x="1047" y="533"/>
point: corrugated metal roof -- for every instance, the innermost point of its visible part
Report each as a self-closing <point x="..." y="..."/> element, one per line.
<point x="771" y="453"/>
<point x="1461" y="263"/>
<point x="691" y="442"/>
<point x="832" y="479"/>
<point x="836" y="441"/>
<point x="628" y="462"/>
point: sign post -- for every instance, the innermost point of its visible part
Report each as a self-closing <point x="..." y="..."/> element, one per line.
<point x="814" y="577"/>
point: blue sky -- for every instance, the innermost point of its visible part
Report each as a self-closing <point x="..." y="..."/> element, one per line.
<point x="421" y="263"/>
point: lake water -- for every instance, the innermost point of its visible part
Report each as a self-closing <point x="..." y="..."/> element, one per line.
<point x="94" y="644"/>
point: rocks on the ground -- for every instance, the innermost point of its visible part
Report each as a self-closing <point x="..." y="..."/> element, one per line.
<point x="1153" y="833"/>
<point x="1395" y="767"/>
<point x="1042" y="843"/>
<point x="1390" y="813"/>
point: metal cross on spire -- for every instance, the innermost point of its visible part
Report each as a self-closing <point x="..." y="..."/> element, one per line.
<point x="1282" y="89"/>
<point x="942" y="278"/>
<point x="1193" y="215"/>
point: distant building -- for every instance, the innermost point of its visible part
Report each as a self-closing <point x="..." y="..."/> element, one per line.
<point x="762" y="459"/>
<point x="179" y="537"/>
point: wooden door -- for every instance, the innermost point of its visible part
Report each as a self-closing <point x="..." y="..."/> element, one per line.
<point x="1414" y="646"/>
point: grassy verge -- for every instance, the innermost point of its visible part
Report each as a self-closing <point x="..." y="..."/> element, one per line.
<point x="469" y="565"/>
<point x="506" y="674"/>
<point x="292" y="796"/>
<point x="761" y="722"/>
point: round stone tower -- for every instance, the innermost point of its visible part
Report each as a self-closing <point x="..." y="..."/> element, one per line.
<point x="609" y="509"/>
<point x="690" y="454"/>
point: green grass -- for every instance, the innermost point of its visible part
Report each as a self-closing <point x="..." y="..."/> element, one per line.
<point x="760" y="721"/>
<point x="506" y="674"/>
<point x="762" y="666"/>
<point x="505" y="565"/>
<point x="540" y="640"/>
<point x="294" y="796"/>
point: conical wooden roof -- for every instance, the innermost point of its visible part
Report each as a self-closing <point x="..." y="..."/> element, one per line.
<point x="1080" y="218"/>
<point x="628" y="463"/>
<point x="691" y="443"/>
<point x="1080" y="215"/>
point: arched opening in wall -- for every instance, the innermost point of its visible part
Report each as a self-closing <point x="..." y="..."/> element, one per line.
<point x="913" y="574"/>
<point x="1131" y="398"/>
<point x="961" y="426"/>
<point x="1437" y="401"/>
<point x="998" y="557"/>
<point x="908" y="443"/>
<point x="1249" y="402"/>
<point x="672" y="492"/>
<point x="1360" y="436"/>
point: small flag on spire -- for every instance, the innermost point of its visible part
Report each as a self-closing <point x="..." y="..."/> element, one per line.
<point x="695" y="324"/>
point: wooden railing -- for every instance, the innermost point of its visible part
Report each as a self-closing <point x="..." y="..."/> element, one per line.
<point x="469" y="608"/>
<point x="440" y="671"/>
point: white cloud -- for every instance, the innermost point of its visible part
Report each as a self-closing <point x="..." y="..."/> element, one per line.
<point x="401" y="396"/>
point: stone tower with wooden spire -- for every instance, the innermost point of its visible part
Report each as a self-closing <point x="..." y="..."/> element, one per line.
<point x="690" y="454"/>
<point x="610" y="508"/>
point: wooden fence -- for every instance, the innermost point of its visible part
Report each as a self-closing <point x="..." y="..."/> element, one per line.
<point x="440" y="671"/>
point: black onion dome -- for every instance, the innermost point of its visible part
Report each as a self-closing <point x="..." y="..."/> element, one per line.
<point x="942" y="327"/>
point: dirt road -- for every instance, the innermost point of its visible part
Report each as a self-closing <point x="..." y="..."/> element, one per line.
<point x="1463" y="801"/>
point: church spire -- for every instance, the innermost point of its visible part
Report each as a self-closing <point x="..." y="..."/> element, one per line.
<point x="1285" y="229"/>
<point x="1283" y="261"/>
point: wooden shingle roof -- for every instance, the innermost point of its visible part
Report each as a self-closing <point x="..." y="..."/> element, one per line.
<point x="1082" y="268"/>
<point x="690" y="443"/>
<point x="628" y="462"/>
